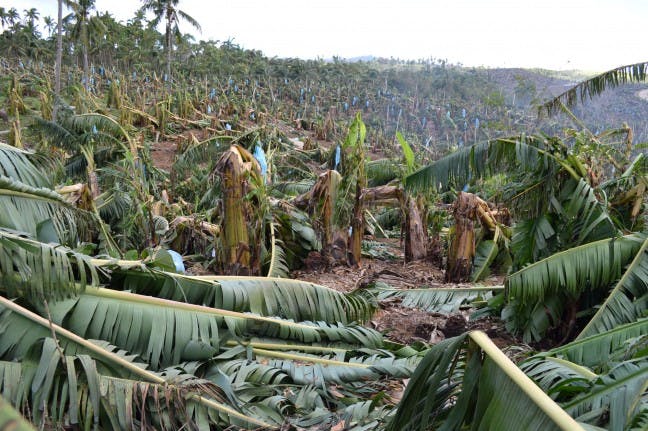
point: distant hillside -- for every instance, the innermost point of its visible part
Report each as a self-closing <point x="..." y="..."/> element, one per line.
<point x="525" y="89"/>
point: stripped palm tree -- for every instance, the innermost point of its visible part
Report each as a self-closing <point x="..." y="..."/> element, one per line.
<point x="83" y="29"/>
<point x="168" y="10"/>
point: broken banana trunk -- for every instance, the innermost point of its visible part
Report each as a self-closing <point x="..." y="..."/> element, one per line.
<point x="467" y="209"/>
<point x="234" y="168"/>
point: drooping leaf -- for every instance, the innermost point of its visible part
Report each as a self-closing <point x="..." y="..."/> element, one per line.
<point x="596" y="85"/>
<point x="597" y="264"/>
<point x="266" y="296"/>
<point x="438" y="299"/>
<point x="618" y="393"/>
<point x="37" y="270"/>
<point x="485" y="254"/>
<point x="628" y="300"/>
<point x="21" y="331"/>
<point x="598" y="348"/>
<point x="166" y="332"/>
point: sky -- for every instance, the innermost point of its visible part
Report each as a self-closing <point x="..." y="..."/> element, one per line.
<point x="590" y="35"/>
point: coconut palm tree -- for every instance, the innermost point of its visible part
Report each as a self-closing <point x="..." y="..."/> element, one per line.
<point x="168" y="11"/>
<point x="50" y="25"/>
<point x="10" y="18"/>
<point x="3" y="17"/>
<point x="59" y="59"/>
<point x="31" y="17"/>
<point x="83" y="28"/>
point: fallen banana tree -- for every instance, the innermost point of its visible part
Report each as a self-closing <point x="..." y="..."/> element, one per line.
<point x="468" y="381"/>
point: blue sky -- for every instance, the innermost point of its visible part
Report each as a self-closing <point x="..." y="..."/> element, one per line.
<point x="591" y="35"/>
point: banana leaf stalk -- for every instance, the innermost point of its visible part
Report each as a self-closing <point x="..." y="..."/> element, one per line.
<point x="467" y="382"/>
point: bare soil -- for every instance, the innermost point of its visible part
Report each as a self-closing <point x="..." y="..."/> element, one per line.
<point x="401" y="324"/>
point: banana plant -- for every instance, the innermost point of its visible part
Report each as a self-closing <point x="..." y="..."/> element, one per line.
<point x="557" y="210"/>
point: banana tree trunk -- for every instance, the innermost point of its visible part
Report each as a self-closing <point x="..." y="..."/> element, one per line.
<point x="462" y="244"/>
<point x="357" y="229"/>
<point x="235" y="167"/>
<point x="15" y="134"/>
<point x="358" y="222"/>
<point x="319" y="203"/>
<point x="416" y="238"/>
<point x="467" y="209"/>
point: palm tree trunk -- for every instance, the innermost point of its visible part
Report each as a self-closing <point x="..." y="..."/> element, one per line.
<point x="59" y="59"/>
<point x="86" y="68"/>
<point x="168" y="47"/>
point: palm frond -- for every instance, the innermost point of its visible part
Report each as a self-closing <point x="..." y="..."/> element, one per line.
<point x="596" y="85"/>
<point x="627" y="301"/>
<point x="104" y="124"/>
<point x="195" y="24"/>
<point x="435" y="300"/>
<point x="56" y="133"/>
<point x="597" y="264"/>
